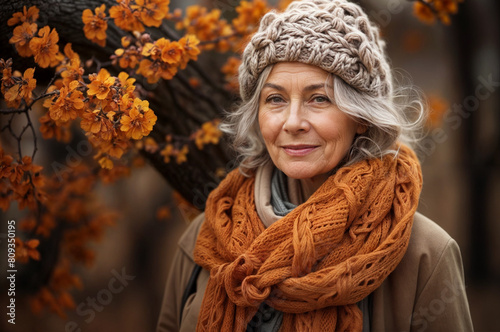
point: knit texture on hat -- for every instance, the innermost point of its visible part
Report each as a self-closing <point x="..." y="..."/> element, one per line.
<point x="335" y="35"/>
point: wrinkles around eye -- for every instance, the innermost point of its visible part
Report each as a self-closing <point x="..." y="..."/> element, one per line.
<point x="274" y="99"/>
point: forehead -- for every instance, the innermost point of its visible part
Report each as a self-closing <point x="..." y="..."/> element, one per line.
<point x="287" y="70"/>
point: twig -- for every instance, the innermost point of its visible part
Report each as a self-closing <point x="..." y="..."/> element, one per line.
<point x="28" y="107"/>
<point x="12" y="111"/>
<point x="35" y="141"/>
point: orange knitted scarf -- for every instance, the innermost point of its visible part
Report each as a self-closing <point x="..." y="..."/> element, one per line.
<point x="318" y="261"/>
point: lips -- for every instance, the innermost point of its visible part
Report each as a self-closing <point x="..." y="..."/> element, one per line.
<point x="299" y="150"/>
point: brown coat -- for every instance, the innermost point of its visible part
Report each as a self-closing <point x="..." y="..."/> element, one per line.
<point x="426" y="292"/>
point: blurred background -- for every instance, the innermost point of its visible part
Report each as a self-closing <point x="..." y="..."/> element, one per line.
<point x="456" y="66"/>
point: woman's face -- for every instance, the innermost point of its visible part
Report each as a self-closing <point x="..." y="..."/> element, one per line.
<point x="305" y="134"/>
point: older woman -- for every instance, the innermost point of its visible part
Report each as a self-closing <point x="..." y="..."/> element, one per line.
<point x="317" y="230"/>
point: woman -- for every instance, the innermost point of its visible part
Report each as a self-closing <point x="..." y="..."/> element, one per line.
<point x="317" y="230"/>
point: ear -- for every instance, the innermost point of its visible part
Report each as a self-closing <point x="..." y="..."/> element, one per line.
<point x="362" y="128"/>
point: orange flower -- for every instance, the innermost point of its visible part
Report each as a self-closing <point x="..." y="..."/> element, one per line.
<point x="190" y="45"/>
<point x="106" y="163"/>
<point x="100" y="84"/>
<point x="437" y="109"/>
<point x="208" y="27"/>
<point x="28" y="224"/>
<point x="446" y="6"/>
<point x="21" y="89"/>
<point x="154" y="70"/>
<point x="28" y="166"/>
<point x="65" y="300"/>
<point x="151" y="12"/>
<point x="96" y="123"/>
<point x="25" y="196"/>
<point x="115" y="148"/>
<point x="6" y="67"/>
<point x="46" y="225"/>
<point x="29" y="16"/>
<point x="45" y="48"/>
<point x="22" y="37"/>
<point x="12" y="97"/>
<point x="167" y="152"/>
<point x="71" y="66"/>
<point x="91" y="121"/>
<point x="8" y="82"/>
<point x="176" y="15"/>
<point x="223" y="44"/>
<point x="192" y="14"/>
<point x="182" y="155"/>
<point x="128" y="58"/>
<point x="249" y="14"/>
<point x="68" y="105"/>
<point x="139" y="121"/>
<point x="54" y="129"/>
<point x="95" y="25"/>
<point x="126" y="40"/>
<point x="150" y="145"/>
<point x="28" y="84"/>
<point x="127" y="83"/>
<point x="444" y="18"/>
<point x="73" y="72"/>
<point x="6" y="167"/>
<point x="154" y="50"/>
<point x="124" y="17"/>
<point x="230" y="71"/>
<point x="27" y="250"/>
<point x="208" y="134"/>
<point x="70" y="54"/>
<point x="172" y="52"/>
<point x="423" y="12"/>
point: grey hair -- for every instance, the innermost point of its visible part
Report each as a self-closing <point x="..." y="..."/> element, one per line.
<point x="388" y="119"/>
<point x="242" y="127"/>
<point x="397" y="118"/>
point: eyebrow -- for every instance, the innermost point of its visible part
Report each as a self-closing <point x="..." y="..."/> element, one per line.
<point x="311" y="87"/>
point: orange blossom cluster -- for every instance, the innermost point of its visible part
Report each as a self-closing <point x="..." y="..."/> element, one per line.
<point x="428" y="10"/>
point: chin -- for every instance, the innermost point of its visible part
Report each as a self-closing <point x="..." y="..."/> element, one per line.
<point x="298" y="174"/>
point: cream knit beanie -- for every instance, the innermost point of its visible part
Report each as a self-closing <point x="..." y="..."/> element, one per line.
<point x="334" y="35"/>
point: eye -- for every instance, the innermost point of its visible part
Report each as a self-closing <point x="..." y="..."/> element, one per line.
<point x="274" y="99"/>
<point x="320" y="99"/>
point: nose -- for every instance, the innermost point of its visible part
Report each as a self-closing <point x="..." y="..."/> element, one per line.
<point x="296" y="118"/>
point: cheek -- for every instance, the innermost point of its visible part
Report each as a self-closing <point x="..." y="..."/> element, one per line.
<point x="341" y="134"/>
<point x="269" y="127"/>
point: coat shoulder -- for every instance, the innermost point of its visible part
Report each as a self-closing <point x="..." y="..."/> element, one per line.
<point x="427" y="238"/>
<point x="428" y="278"/>
<point x="430" y="246"/>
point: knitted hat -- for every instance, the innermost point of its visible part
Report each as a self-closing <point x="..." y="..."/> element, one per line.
<point x="334" y="35"/>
